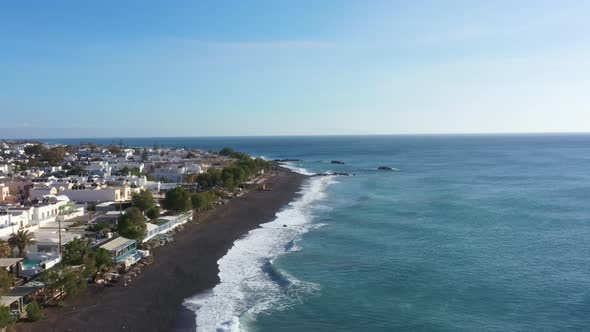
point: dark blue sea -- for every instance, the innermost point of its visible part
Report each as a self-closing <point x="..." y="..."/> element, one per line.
<point x="473" y="233"/>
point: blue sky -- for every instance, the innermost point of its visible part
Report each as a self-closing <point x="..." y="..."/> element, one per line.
<point x="199" y="68"/>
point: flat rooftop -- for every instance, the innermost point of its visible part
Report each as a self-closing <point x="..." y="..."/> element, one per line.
<point x="7" y="262"/>
<point x="117" y="243"/>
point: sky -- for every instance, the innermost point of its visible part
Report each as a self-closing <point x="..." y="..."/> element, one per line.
<point x="292" y="67"/>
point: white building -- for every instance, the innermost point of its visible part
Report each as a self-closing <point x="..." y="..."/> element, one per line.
<point x="99" y="168"/>
<point x="5" y="168"/>
<point x="166" y="224"/>
<point x="40" y="191"/>
<point x="129" y="164"/>
<point x="48" y="209"/>
<point x="47" y="240"/>
<point x="88" y="194"/>
<point x="177" y="172"/>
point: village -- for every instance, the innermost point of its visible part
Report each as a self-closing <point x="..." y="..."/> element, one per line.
<point x="73" y="217"/>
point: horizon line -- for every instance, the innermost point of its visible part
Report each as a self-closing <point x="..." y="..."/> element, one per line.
<point x="313" y="135"/>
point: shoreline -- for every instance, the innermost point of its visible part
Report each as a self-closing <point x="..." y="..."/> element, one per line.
<point x="188" y="266"/>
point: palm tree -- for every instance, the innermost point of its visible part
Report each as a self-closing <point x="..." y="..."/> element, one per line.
<point x="21" y="240"/>
<point x="5" y="249"/>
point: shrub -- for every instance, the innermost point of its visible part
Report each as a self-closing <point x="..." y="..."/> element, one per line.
<point x="5" y="319"/>
<point x="34" y="312"/>
<point x="153" y="213"/>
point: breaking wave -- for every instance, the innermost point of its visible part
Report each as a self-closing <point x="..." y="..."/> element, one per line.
<point x="296" y="169"/>
<point x="250" y="283"/>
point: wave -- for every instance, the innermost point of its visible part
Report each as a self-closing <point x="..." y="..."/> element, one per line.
<point x="297" y="169"/>
<point x="250" y="283"/>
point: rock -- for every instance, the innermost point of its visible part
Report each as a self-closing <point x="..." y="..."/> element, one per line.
<point x="387" y="168"/>
<point x="337" y="162"/>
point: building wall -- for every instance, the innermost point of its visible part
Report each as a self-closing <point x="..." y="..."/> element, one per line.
<point x="19" y="189"/>
<point x="173" y="222"/>
<point x="6" y="223"/>
<point x="93" y="195"/>
<point x="45" y="213"/>
<point x="4" y="192"/>
<point x="38" y="192"/>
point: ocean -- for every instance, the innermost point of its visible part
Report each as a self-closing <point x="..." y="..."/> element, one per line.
<point x="473" y="233"/>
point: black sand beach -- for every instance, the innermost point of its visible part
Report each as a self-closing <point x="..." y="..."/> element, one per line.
<point x="153" y="302"/>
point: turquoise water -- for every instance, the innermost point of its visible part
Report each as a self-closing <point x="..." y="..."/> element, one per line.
<point x="474" y="233"/>
<point x="30" y="264"/>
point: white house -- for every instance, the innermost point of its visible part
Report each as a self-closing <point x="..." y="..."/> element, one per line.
<point x="99" y="194"/>
<point x="99" y="168"/>
<point x="48" y="209"/>
<point x="14" y="218"/>
<point x="129" y="164"/>
<point x="166" y="223"/>
<point x="47" y="240"/>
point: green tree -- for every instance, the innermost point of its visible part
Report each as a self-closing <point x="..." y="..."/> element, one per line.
<point x="191" y="178"/>
<point x="89" y="266"/>
<point x="153" y="213"/>
<point x="34" y="312"/>
<point x="209" y="179"/>
<point x="229" y="152"/>
<point x="129" y="171"/>
<point x="226" y="152"/>
<point x="228" y="178"/>
<point x="144" y="200"/>
<point x="5" y="318"/>
<point x="6" y="281"/>
<point x="243" y="168"/>
<point x="75" y="251"/>
<point x="21" y="240"/>
<point x="76" y="171"/>
<point x="203" y="201"/>
<point x="124" y="171"/>
<point x="53" y="156"/>
<point x="145" y="155"/>
<point x="102" y="258"/>
<point x="63" y="279"/>
<point x="178" y="200"/>
<point x="36" y="149"/>
<point x="78" y="252"/>
<point x="132" y="224"/>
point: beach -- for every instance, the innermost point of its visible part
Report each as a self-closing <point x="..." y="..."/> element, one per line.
<point x="153" y="302"/>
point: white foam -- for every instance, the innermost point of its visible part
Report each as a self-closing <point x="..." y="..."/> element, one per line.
<point x="249" y="282"/>
<point x="296" y="168"/>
